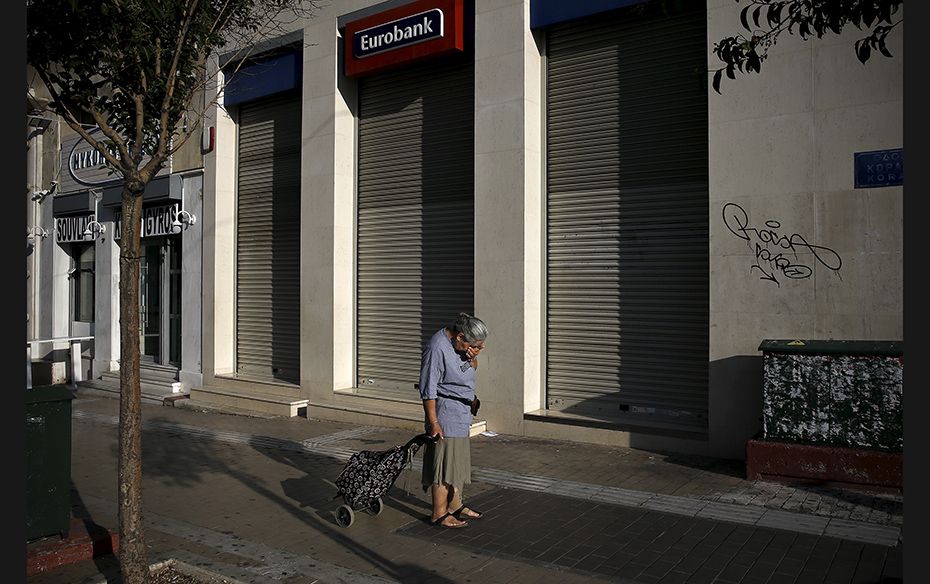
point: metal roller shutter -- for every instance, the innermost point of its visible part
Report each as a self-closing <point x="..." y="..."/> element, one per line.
<point x="627" y="218"/>
<point x="268" y="239"/>
<point x="415" y="215"/>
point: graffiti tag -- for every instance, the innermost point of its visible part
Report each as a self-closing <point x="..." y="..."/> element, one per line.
<point x="775" y="252"/>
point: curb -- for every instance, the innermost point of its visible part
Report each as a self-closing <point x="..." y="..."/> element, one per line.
<point x="85" y="541"/>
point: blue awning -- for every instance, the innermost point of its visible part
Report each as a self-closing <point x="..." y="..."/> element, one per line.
<point x="548" y="12"/>
<point x="263" y="77"/>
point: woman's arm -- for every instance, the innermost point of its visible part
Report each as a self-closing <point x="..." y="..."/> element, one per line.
<point x="431" y="371"/>
<point x="429" y="406"/>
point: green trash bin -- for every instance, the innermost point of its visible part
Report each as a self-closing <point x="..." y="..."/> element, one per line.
<point x="48" y="461"/>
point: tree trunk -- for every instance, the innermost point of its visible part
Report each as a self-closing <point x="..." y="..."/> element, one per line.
<point x="133" y="557"/>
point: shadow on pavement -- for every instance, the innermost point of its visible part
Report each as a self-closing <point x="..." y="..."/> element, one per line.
<point x="309" y="498"/>
<point x="316" y="490"/>
<point x="108" y="564"/>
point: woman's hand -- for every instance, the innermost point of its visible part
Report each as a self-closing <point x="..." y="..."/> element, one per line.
<point x="472" y="352"/>
<point x="435" y="430"/>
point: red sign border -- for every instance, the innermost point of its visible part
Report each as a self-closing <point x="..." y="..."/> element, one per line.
<point x="453" y="39"/>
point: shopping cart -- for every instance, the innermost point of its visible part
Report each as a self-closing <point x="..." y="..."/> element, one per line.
<point x="369" y="475"/>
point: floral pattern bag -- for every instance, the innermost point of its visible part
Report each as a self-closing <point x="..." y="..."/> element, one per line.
<point x="370" y="474"/>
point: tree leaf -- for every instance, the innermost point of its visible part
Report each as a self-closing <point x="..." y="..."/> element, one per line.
<point x="742" y="16"/>
<point x="868" y="13"/>
<point x="863" y="51"/>
<point x="836" y="22"/>
<point x="717" y="76"/>
<point x="884" y="11"/>
<point x="726" y="51"/>
<point x="731" y="71"/>
<point x="771" y="15"/>
<point x="755" y="15"/>
<point x="883" y="49"/>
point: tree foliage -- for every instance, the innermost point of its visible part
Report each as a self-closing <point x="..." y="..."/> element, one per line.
<point x="766" y="20"/>
<point x="134" y="67"/>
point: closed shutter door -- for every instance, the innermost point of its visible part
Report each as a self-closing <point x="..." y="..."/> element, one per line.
<point x="415" y="215"/>
<point x="627" y="218"/>
<point x="268" y="239"/>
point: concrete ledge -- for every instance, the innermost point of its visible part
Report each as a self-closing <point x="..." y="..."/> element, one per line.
<point x="248" y="397"/>
<point x="173" y="400"/>
<point x="773" y="460"/>
<point x="659" y="428"/>
<point x="185" y="404"/>
<point x="175" y="570"/>
<point x="177" y="567"/>
<point x="388" y="414"/>
<point x="84" y="542"/>
<point x="554" y="425"/>
<point x="248" y="383"/>
<point x="100" y="388"/>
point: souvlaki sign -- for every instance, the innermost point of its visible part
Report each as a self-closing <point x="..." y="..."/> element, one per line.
<point x="156" y="221"/>
<point x="71" y="229"/>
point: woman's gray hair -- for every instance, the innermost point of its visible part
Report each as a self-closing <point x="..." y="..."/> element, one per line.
<point x="472" y="327"/>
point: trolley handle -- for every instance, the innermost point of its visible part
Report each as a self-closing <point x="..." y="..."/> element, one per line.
<point x="420" y="439"/>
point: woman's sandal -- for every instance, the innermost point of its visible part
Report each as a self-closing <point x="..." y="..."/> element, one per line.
<point x="458" y="512"/>
<point x="439" y="522"/>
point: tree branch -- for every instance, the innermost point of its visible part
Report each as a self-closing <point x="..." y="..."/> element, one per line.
<point x="72" y="122"/>
<point x="164" y="132"/>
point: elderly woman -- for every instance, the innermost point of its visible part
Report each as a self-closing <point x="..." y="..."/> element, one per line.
<point x="447" y="387"/>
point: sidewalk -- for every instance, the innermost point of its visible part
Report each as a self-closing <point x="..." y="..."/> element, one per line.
<point x="251" y="498"/>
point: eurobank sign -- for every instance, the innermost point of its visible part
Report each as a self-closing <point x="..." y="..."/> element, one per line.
<point x="407" y="33"/>
<point x="400" y="33"/>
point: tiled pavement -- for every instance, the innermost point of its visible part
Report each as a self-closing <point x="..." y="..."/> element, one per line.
<point x="733" y="505"/>
<point x="649" y="546"/>
<point x="232" y="492"/>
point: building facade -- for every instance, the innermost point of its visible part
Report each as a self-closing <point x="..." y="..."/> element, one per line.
<point x="562" y="170"/>
<point x="73" y="266"/>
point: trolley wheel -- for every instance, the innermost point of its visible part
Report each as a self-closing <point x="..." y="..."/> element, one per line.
<point x="376" y="507"/>
<point x="344" y="516"/>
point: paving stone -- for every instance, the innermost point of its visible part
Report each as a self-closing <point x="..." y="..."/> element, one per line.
<point x="779" y="519"/>
<point x="703" y="576"/>
<point x="674" y="577"/>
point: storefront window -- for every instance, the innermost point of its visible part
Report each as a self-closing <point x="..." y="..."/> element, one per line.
<point x="82" y="282"/>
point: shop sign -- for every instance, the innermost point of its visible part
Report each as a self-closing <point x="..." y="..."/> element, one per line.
<point x="400" y="33"/>
<point x="71" y="229"/>
<point x="156" y="221"/>
<point x="84" y="166"/>
<point x="407" y="33"/>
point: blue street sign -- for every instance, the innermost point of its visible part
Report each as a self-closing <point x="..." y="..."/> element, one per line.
<point x="879" y="168"/>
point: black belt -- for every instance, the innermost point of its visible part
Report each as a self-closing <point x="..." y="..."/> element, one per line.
<point x="465" y="401"/>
